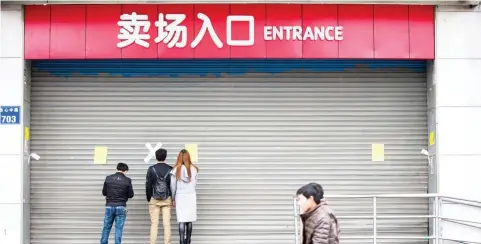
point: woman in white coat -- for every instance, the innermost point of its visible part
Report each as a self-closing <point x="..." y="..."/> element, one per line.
<point x="183" y="183"/>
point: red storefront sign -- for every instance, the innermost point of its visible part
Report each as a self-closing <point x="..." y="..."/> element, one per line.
<point x="229" y="31"/>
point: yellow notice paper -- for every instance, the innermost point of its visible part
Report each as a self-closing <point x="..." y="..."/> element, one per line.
<point x="431" y="138"/>
<point x="193" y="151"/>
<point x="27" y="133"/>
<point x="100" y="155"/>
<point x="378" y="152"/>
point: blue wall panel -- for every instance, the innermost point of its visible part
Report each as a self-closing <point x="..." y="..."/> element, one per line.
<point x="217" y="67"/>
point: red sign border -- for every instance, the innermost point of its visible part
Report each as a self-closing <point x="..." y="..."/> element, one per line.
<point x="370" y="31"/>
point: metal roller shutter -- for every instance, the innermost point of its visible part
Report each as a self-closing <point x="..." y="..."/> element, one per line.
<point x="264" y="128"/>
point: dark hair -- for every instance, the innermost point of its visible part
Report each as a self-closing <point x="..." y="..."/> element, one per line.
<point x="312" y="190"/>
<point x="161" y="155"/>
<point x="122" y="167"/>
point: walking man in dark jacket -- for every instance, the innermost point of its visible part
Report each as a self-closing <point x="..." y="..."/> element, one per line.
<point x="319" y="224"/>
<point x="117" y="191"/>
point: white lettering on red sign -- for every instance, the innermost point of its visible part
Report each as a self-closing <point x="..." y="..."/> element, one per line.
<point x="328" y="33"/>
<point x="134" y="28"/>
<point x="238" y="18"/>
<point x="206" y="26"/>
<point x="171" y="33"/>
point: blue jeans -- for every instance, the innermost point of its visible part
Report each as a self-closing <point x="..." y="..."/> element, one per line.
<point x="113" y="213"/>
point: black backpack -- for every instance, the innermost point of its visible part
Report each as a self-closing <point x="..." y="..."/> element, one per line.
<point x="161" y="189"/>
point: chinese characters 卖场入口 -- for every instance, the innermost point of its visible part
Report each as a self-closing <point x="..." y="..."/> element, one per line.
<point x="135" y="29"/>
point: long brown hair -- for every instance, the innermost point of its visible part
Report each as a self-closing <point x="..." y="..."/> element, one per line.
<point x="184" y="159"/>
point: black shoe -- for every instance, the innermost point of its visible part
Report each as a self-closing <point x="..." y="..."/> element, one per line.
<point x="187" y="241"/>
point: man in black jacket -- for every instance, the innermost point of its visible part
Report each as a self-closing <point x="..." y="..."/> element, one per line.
<point x="117" y="191"/>
<point x="159" y="196"/>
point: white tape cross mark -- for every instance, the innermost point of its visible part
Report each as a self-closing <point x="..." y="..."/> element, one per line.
<point x="152" y="151"/>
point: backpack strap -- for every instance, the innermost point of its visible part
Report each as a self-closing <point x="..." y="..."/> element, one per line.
<point x="167" y="174"/>
<point x="163" y="178"/>
<point x="155" y="172"/>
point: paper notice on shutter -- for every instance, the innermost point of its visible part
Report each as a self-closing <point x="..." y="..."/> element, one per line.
<point x="100" y="155"/>
<point x="193" y="151"/>
<point x="378" y="152"/>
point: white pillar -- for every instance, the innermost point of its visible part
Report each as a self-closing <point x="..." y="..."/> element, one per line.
<point x="14" y="213"/>
<point x="456" y="86"/>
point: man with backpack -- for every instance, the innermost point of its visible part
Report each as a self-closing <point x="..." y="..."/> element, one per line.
<point x="159" y="196"/>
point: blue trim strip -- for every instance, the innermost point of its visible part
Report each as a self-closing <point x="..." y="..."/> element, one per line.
<point x="215" y="67"/>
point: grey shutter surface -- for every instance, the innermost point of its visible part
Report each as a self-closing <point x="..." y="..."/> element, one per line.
<point x="261" y="135"/>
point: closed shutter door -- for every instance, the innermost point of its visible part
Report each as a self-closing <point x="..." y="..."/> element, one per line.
<point x="263" y="128"/>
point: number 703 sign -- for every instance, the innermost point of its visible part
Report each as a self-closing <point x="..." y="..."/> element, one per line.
<point x="10" y="115"/>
